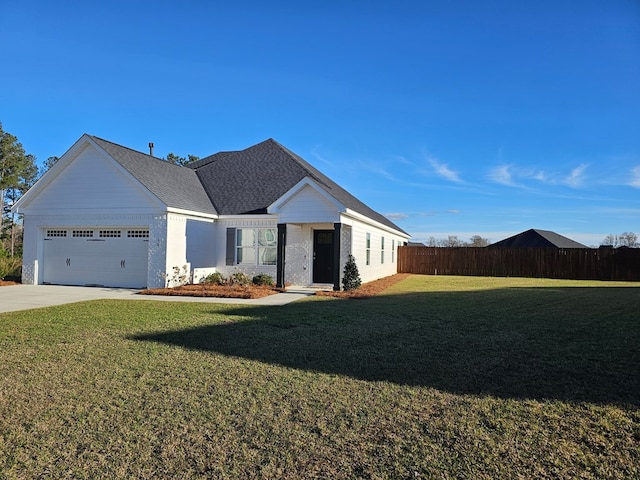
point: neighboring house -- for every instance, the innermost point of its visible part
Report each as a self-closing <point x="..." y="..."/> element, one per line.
<point x="537" y="238"/>
<point x="108" y="215"/>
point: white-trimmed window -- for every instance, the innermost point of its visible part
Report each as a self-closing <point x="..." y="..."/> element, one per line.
<point x="393" y="250"/>
<point x="56" y="233"/>
<point x="368" y="249"/>
<point x="82" y="233"/>
<point x="381" y="250"/>
<point x="256" y="246"/>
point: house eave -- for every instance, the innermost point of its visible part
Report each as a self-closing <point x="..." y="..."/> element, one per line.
<point x="363" y="218"/>
<point x="252" y="216"/>
<point x="192" y="213"/>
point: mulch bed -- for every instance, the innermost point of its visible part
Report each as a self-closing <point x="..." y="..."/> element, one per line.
<point x="208" y="290"/>
<point x="367" y="290"/>
<point x="6" y="283"/>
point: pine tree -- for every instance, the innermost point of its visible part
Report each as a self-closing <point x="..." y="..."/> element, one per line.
<point x="351" y="277"/>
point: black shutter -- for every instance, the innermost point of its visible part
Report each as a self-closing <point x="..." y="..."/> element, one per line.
<point x="231" y="246"/>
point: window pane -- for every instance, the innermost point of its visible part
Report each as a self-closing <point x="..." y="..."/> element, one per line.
<point x="245" y="237"/>
<point x="267" y="237"/>
<point x="246" y="256"/>
<point x="267" y="255"/>
<point x="325" y="238"/>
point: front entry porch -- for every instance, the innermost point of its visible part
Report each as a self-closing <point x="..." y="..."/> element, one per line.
<point x="309" y="254"/>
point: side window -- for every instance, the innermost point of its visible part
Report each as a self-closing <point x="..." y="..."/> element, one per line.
<point x="368" y="249"/>
<point x="382" y="250"/>
<point x="393" y="250"/>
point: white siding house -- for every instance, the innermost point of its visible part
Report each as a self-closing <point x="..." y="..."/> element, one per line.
<point x="108" y="215"/>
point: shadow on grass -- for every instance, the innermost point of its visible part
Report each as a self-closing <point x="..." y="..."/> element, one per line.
<point x="570" y="344"/>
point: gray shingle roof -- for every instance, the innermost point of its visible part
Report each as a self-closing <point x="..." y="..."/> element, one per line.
<point x="537" y="238"/>
<point x="248" y="181"/>
<point x="231" y="183"/>
<point x="176" y="186"/>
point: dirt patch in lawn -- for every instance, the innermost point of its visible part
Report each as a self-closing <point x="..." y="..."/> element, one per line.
<point x="369" y="289"/>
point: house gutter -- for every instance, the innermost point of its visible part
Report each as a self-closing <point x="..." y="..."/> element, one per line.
<point x="191" y="213"/>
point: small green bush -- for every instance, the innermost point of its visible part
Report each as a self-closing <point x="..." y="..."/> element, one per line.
<point x="351" y="277"/>
<point x="215" y="278"/>
<point x="263" y="279"/>
<point x="10" y="267"/>
<point x="239" y="278"/>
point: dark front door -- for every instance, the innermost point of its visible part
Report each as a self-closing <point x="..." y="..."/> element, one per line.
<point x="323" y="256"/>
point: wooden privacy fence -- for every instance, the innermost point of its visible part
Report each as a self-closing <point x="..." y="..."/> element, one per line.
<point x="573" y="263"/>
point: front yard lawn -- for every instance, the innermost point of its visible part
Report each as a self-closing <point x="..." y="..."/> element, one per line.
<point x="437" y="377"/>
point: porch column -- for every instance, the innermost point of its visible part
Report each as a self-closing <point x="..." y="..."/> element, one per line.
<point x="280" y="255"/>
<point x="336" y="255"/>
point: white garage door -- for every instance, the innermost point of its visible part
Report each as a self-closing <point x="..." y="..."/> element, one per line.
<point x="111" y="257"/>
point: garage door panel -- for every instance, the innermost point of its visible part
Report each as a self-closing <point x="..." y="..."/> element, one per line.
<point x="111" y="262"/>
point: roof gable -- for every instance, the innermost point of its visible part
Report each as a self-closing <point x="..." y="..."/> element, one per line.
<point x="87" y="178"/>
<point x="305" y="185"/>
<point x="307" y="202"/>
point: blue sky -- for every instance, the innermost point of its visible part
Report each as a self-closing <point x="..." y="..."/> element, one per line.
<point x="451" y="117"/>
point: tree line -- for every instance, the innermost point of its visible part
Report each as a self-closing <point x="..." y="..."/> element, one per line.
<point x="626" y="239"/>
<point x="18" y="172"/>
<point x="454" y="241"/>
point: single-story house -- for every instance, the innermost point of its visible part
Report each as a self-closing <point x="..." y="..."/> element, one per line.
<point x="537" y="238"/>
<point x="108" y="215"/>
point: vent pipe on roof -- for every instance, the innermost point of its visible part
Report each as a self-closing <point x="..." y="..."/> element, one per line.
<point x="151" y="148"/>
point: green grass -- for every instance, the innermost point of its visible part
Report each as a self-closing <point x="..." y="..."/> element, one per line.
<point x="439" y="377"/>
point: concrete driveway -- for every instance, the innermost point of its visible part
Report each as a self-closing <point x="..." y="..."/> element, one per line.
<point x="24" y="297"/>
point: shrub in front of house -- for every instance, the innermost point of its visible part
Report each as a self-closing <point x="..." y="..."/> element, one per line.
<point x="351" y="276"/>
<point x="179" y="277"/>
<point x="215" y="278"/>
<point x="239" y="278"/>
<point x="263" y="279"/>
